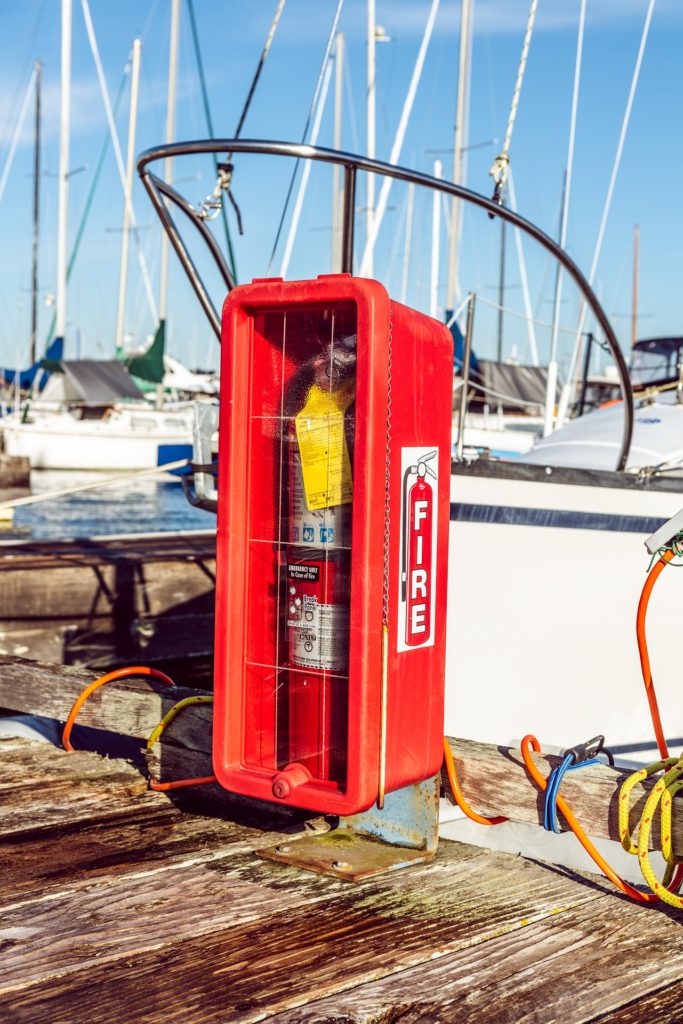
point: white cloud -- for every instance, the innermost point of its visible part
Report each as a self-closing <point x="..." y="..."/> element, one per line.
<point x="87" y="108"/>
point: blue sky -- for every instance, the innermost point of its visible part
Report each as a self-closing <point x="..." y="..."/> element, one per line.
<point x="232" y="34"/>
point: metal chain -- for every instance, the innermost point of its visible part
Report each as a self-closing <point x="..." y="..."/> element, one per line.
<point x="387" y="489"/>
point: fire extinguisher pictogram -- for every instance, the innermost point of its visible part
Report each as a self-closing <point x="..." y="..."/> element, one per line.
<point x="418" y="531"/>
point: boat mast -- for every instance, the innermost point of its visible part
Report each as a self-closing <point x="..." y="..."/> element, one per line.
<point x="337" y="198"/>
<point x="36" y="210"/>
<point x="170" y="131"/>
<point x="406" y="251"/>
<point x="128" y="194"/>
<point x="459" y="149"/>
<point x="634" y="306"/>
<point x="370" y="145"/>
<point x="551" y="385"/>
<point x="65" y="111"/>
<point x="501" y="293"/>
<point x="436" y="225"/>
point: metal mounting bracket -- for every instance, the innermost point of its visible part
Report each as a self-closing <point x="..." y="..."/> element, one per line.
<point x="404" y="832"/>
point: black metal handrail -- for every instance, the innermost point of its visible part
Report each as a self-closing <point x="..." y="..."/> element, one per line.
<point x="352" y="163"/>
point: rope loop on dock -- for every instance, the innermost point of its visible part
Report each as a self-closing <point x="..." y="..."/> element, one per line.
<point x="580" y="756"/>
<point x="663" y="794"/>
<point x="530" y="743"/>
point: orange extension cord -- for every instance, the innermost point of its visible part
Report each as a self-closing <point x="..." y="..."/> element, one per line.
<point x="124" y="673"/>
<point x="531" y="742"/>
<point x="652" y="578"/>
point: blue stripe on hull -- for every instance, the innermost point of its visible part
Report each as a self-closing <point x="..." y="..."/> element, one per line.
<point x="550" y="517"/>
<point x="173" y="453"/>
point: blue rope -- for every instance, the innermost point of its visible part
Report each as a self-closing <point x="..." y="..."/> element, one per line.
<point x="550" y="822"/>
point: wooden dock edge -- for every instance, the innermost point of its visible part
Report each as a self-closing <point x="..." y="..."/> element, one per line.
<point x="493" y="778"/>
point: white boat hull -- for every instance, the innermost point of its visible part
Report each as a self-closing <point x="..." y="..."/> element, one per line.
<point x="61" y="442"/>
<point x="544" y="583"/>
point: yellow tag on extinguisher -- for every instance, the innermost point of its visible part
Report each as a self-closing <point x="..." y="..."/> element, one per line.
<point x="325" y="461"/>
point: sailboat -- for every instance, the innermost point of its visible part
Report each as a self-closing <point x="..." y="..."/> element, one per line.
<point x="91" y="415"/>
<point x="35" y="376"/>
<point x="154" y="366"/>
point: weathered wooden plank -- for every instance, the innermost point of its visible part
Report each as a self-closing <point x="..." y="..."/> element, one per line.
<point x="36" y="865"/>
<point x="77" y="601"/>
<point x="49" y="788"/>
<point x="15" y="476"/>
<point x="38" y="853"/>
<point x="69" y="864"/>
<point x="129" y="914"/>
<point x="188" y="545"/>
<point x="34" y="765"/>
<point x="660" y="1007"/>
<point x="66" y="802"/>
<point x="494" y="780"/>
<point x="308" y="936"/>
<point x="34" y="777"/>
<point x="130" y="708"/>
<point x="65" y="590"/>
<point x="564" y="968"/>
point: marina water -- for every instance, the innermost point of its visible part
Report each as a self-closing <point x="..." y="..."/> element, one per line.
<point x="143" y="505"/>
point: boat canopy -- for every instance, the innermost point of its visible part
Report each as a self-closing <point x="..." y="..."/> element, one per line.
<point x="511" y="385"/>
<point x="89" y="382"/>
<point x="655" y="360"/>
<point x="26" y="378"/>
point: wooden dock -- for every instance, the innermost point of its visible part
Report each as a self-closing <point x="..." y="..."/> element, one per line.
<point x="121" y="905"/>
<point x="111" y="601"/>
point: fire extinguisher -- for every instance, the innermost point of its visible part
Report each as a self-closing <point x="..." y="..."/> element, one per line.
<point x="317" y="572"/>
<point x="416" y="568"/>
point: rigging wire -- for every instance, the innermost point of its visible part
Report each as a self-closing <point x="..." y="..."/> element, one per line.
<point x="314" y="103"/>
<point x="92" y="39"/>
<point x="533" y="347"/>
<point x="381" y="207"/>
<point x="305" y="176"/>
<point x="564" y="400"/>
<point x="90" y="197"/>
<point x="520" y="316"/>
<point x="17" y="131"/>
<point x="214" y="201"/>
<point x="551" y="387"/>
<point x="209" y="125"/>
<point x="259" y="68"/>
<point x="350" y="105"/>
<point x="500" y="166"/>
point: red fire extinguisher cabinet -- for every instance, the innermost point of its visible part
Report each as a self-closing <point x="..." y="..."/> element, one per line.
<point x="333" y="509"/>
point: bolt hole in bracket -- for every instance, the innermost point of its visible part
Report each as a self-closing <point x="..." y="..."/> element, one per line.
<point x="403" y="833"/>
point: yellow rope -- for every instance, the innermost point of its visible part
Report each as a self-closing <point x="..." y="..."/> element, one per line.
<point x="664" y="793"/>
<point x="170" y="715"/>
